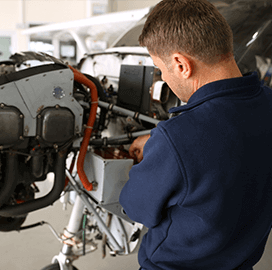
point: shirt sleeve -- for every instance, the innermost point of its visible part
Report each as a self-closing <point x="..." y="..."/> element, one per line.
<point x="156" y="183"/>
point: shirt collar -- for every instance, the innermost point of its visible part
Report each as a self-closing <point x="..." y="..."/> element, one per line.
<point x="220" y="88"/>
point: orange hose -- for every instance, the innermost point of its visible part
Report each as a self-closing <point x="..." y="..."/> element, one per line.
<point x="79" y="77"/>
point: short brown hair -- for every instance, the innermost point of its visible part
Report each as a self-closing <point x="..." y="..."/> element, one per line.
<point x="194" y="27"/>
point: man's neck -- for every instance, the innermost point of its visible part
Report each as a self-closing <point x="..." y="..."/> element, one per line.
<point x="226" y="69"/>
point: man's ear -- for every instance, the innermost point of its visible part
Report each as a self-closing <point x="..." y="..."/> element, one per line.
<point x="183" y="65"/>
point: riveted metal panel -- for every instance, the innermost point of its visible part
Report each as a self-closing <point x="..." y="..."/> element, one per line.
<point x="39" y="91"/>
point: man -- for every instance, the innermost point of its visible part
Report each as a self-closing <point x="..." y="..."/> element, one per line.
<point x="204" y="186"/>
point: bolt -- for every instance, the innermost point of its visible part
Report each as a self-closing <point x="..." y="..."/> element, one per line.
<point x="2" y="105"/>
<point x="21" y="116"/>
<point x="37" y="137"/>
<point x="39" y="116"/>
<point x="55" y="146"/>
<point x="95" y="187"/>
<point x="113" y="253"/>
<point x="21" y="138"/>
<point x="67" y="261"/>
<point x="57" y="106"/>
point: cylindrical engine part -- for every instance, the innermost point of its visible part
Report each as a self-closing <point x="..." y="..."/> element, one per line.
<point x="37" y="165"/>
<point x="10" y="179"/>
<point x="52" y="196"/>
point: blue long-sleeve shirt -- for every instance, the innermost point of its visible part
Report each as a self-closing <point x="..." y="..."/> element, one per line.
<point x="204" y="187"/>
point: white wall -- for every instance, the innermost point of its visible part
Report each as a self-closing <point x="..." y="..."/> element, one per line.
<point x="16" y="15"/>
<point x="52" y="11"/>
<point x="120" y="5"/>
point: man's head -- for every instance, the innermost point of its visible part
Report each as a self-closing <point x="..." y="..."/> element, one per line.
<point x="191" y="43"/>
<point x="193" y="27"/>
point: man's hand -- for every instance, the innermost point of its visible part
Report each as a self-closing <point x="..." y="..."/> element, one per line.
<point x="137" y="147"/>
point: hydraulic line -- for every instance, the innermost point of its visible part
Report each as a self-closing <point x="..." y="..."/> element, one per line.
<point x="79" y="77"/>
<point x="136" y="115"/>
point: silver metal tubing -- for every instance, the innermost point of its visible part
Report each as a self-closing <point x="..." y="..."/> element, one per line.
<point x="127" y="250"/>
<point x="133" y="135"/>
<point x="53" y="231"/>
<point x="75" y="220"/>
<point x="90" y="207"/>
<point x="115" y="108"/>
<point x="111" y="140"/>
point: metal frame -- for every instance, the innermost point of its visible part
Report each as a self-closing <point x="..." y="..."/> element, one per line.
<point x="66" y="257"/>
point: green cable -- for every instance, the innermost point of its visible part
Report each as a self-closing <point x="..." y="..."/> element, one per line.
<point x="83" y="232"/>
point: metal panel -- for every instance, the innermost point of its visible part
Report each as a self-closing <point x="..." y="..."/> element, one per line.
<point x="11" y="125"/>
<point x="110" y="174"/>
<point x="10" y="96"/>
<point x="38" y="93"/>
